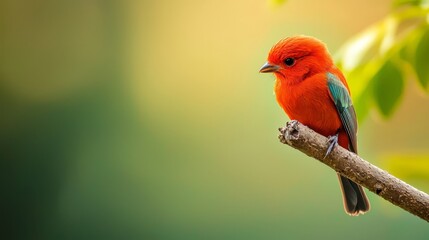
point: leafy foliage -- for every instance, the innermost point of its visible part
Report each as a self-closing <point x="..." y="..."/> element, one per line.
<point x="378" y="60"/>
<point x="388" y="77"/>
<point x="421" y="60"/>
<point x="399" y="3"/>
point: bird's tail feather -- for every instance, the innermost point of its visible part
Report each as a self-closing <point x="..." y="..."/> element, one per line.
<point x="354" y="198"/>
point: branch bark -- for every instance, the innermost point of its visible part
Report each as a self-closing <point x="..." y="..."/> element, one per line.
<point x="357" y="169"/>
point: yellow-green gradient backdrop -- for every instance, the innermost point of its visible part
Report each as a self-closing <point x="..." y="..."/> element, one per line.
<point x="149" y="120"/>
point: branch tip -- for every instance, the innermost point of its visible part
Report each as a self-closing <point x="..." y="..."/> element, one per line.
<point x="356" y="169"/>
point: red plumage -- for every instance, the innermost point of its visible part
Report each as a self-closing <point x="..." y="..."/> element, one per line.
<point x="300" y="65"/>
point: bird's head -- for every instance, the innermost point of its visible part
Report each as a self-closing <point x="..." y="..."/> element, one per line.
<point x="293" y="59"/>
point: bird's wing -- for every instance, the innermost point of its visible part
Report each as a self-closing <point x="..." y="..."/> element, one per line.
<point x="341" y="98"/>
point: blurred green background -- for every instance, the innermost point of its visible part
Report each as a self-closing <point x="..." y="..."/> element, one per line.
<point x="149" y="120"/>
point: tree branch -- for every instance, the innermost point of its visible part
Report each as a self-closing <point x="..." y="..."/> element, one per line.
<point x="355" y="168"/>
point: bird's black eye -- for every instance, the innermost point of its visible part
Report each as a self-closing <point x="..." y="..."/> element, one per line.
<point x="289" y="61"/>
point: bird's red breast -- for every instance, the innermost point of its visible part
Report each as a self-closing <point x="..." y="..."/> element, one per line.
<point x="313" y="91"/>
<point x="302" y="89"/>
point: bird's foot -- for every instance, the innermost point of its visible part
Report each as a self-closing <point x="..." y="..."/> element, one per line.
<point x="333" y="140"/>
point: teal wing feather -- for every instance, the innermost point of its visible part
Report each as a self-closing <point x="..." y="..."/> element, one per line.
<point x="341" y="98"/>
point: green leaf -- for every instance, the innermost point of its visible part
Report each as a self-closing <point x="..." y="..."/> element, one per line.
<point x="408" y="47"/>
<point x="359" y="48"/>
<point x="399" y="3"/>
<point x="360" y="81"/>
<point x="388" y="87"/>
<point x="421" y="60"/>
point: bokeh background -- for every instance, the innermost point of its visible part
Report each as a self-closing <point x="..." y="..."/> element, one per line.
<point x="149" y="120"/>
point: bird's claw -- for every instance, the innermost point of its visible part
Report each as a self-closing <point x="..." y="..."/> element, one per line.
<point x="333" y="140"/>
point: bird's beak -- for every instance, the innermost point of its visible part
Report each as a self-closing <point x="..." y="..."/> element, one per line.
<point x="268" y="67"/>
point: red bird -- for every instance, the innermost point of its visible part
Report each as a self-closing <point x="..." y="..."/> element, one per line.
<point x="312" y="90"/>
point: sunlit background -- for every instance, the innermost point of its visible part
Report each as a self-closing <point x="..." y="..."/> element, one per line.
<point x="149" y="120"/>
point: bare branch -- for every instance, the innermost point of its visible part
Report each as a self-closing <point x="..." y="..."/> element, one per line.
<point x="355" y="168"/>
